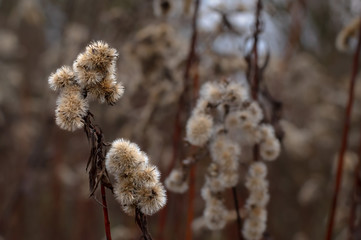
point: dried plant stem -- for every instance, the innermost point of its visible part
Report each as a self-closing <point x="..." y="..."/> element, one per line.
<point x="254" y="69"/>
<point x="344" y="139"/>
<point x="141" y="221"/>
<point x="178" y="123"/>
<point x="105" y="213"/>
<point x="236" y="206"/>
<point x="191" y="195"/>
<point x="96" y="166"/>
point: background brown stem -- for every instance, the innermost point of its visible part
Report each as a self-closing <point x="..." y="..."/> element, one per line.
<point x="344" y="139"/>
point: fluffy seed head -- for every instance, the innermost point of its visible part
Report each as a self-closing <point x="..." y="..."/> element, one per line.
<point x="270" y="149"/>
<point x="253" y="229"/>
<point x="63" y="77"/>
<point x="199" y="129"/>
<point x="224" y="151"/>
<point x="256" y="183"/>
<point x="107" y="90"/>
<point x="236" y="93"/>
<point x="124" y="155"/>
<point x="215" y="215"/>
<point x="258" y="169"/>
<point x="211" y="92"/>
<point x="152" y="199"/>
<point x="70" y="110"/>
<point x="125" y="193"/>
<point x="176" y="181"/>
<point x="148" y="176"/>
<point x="255" y="111"/>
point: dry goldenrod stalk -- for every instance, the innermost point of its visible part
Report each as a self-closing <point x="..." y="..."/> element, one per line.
<point x="223" y="121"/>
<point x="137" y="181"/>
<point x="93" y="74"/>
<point x="255" y="224"/>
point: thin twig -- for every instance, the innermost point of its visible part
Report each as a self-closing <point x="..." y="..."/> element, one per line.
<point x="344" y="140"/>
<point x="236" y="206"/>
<point x="191" y="195"/>
<point x="96" y="166"/>
<point x="178" y="123"/>
<point x="356" y="194"/>
<point x="255" y="69"/>
<point x="105" y="213"/>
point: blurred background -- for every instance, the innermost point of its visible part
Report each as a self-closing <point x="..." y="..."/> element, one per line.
<point x="44" y="185"/>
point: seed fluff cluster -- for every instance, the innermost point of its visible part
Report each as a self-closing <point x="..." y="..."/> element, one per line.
<point x="224" y="121"/>
<point x="137" y="181"/>
<point x="92" y="76"/>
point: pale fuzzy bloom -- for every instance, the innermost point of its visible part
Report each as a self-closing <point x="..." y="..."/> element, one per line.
<point x="223" y="150"/>
<point x="215" y="215"/>
<point x="107" y="90"/>
<point x="129" y="209"/>
<point x="211" y="92"/>
<point x="148" y="176"/>
<point x="229" y="178"/>
<point x="63" y="77"/>
<point x="201" y="107"/>
<point x="258" y="213"/>
<point x="349" y="31"/>
<point x="236" y="93"/>
<point x="96" y="63"/>
<point x="71" y="108"/>
<point x="266" y="132"/>
<point x="216" y="184"/>
<point x="233" y="120"/>
<point x="86" y="76"/>
<point x="270" y="149"/>
<point x="213" y="169"/>
<point x="258" y="169"/>
<point x="152" y="199"/>
<point x="241" y="120"/>
<point x="176" y="181"/>
<point x="124" y="155"/>
<point x="125" y="193"/>
<point x="258" y="198"/>
<point x="256" y="183"/>
<point x="253" y="230"/>
<point x="101" y="55"/>
<point x="255" y="111"/>
<point x="206" y="192"/>
<point x="199" y="129"/>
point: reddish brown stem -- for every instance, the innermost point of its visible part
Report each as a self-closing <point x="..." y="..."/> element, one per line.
<point x="356" y="192"/>
<point x="177" y="134"/>
<point x="254" y="74"/>
<point x="105" y="213"/>
<point x="344" y="140"/>
<point x="191" y="195"/>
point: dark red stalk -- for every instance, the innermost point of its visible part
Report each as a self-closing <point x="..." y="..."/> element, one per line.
<point x="105" y="213"/>
<point x="178" y="123"/>
<point x="344" y="140"/>
<point x="356" y="194"/>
